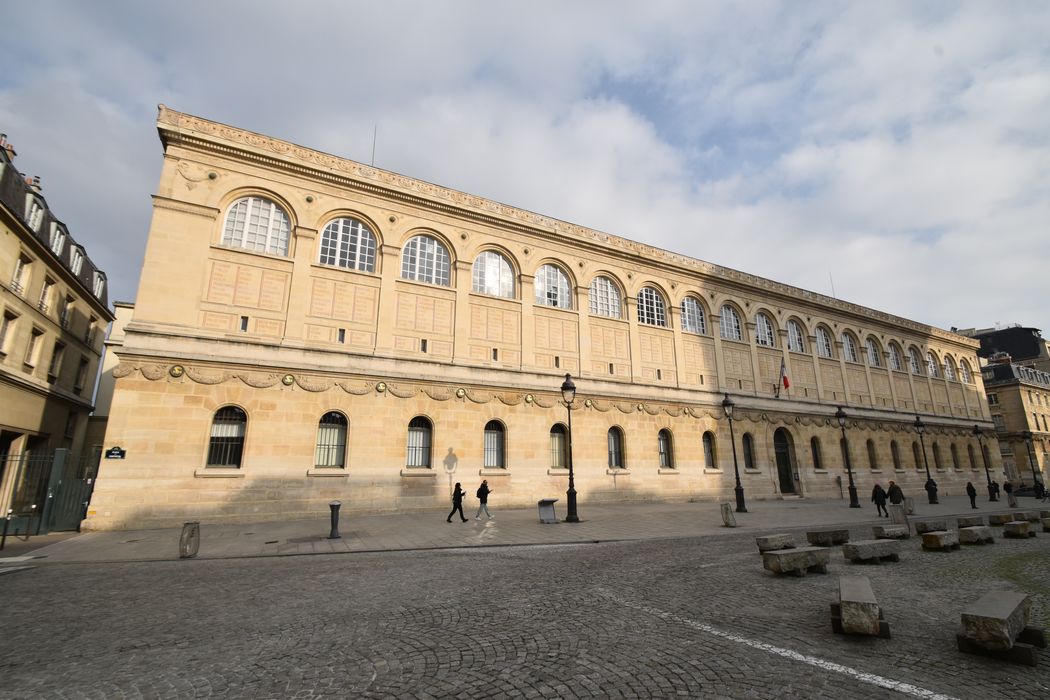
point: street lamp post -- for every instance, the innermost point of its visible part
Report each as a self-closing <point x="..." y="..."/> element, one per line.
<point x="568" y="395"/>
<point x="1027" y="435"/>
<point x="728" y="406"/>
<point x="840" y="416"/>
<point x="931" y="485"/>
<point x="984" y="456"/>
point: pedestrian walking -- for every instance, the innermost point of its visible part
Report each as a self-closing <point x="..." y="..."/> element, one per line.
<point x="995" y="489"/>
<point x="878" y="497"/>
<point x="895" y="494"/>
<point x="483" y="499"/>
<point x="972" y="493"/>
<point x="1008" y="489"/>
<point x="457" y="503"/>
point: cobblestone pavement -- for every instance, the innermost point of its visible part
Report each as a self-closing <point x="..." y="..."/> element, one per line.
<point x="693" y="617"/>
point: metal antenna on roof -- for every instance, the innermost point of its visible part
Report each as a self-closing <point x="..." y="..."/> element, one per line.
<point x="375" y="128"/>
<point x="832" y="280"/>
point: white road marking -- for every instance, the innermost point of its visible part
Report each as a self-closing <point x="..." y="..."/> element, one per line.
<point x="870" y="678"/>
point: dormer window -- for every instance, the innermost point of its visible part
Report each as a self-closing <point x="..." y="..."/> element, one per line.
<point x="58" y="239"/>
<point x="76" y="261"/>
<point x="99" y="284"/>
<point x="34" y="212"/>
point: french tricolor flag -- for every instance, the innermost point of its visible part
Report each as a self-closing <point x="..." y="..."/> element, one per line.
<point x="784" y="374"/>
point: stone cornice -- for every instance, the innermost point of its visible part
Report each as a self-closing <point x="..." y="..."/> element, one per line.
<point x="177" y="128"/>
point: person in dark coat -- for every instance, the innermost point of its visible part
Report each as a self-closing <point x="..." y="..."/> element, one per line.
<point x="895" y="494"/>
<point x="972" y="493"/>
<point x="483" y="499"/>
<point x="878" y="497"/>
<point x="457" y="503"/>
<point x="1008" y="489"/>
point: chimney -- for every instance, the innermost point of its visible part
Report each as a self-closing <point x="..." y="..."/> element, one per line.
<point x="1000" y="358"/>
<point x="33" y="182"/>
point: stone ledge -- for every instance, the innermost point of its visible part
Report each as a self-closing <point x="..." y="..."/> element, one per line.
<point x="668" y="471"/>
<point x="497" y="472"/>
<point x="337" y="472"/>
<point x="618" y="472"/>
<point x="419" y="472"/>
<point x="218" y="473"/>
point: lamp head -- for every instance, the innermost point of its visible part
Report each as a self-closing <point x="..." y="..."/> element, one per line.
<point x="920" y="427"/>
<point x="728" y="406"/>
<point x="1027" y="435"/>
<point x="977" y="431"/>
<point x="840" y="416"/>
<point x="568" y="389"/>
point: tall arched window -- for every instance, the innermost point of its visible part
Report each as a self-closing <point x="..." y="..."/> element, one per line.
<point x="796" y="338"/>
<point x="425" y="259"/>
<point x="818" y="458"/>
<point x="849" y="348"/>
<point x="651" y="307"/>
<point x="954" y="451"/>
<point x="749" y="451"/>
<point x="964" y="372"/>
<point x="949" y="368"/>
<point x="493" y="275"/>
<point x="844" y="447"/>
<point x="973" y="459"/>
<point x="896" y="359"/>
<point x="495" y="453"/>
<point x="896" y="454"/>
<point x="559" y="447"/>
<point x="764" y="330"/>
<point x="226" y="445"/>
<point x="937" y="456"/>
<point x="663" y="442"/>
<point x="916" y="455"/>
<point x="873" y="457"/>
<point x="825" y="348"/>
<point x="874" y="353"/>
<point x="605" y="298"/>
<point x="729" y="324"/>
<point x="931" y="365"/>
<point x="348" y="243"/>
<point x="914" y="361"/>
<point x="552" y="287"/>
<point x="331" y="440"/>
<point x="259" y="224"/>
<point x="709" y="451"/>
<point x="693" y="320"/>
<point x="616" y="459"/>
<point x="419" y="440"/>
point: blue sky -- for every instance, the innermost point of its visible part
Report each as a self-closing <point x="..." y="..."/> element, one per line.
<point x="900" y="149"/>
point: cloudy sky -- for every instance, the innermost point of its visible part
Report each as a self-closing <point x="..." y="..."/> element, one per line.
<point x="894" y="154"/>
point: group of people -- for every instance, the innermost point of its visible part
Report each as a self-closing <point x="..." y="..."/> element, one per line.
<point x="879" y="496"/>
<point x="895" y="495"/>
<point x="483" y="501"/>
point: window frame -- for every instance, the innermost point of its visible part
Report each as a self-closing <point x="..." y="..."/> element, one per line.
<point x="348" y="243"/>
<point x="559" y="446"/>
<point x="665" y="448"/>
<point x="329" y="454"/>
<point x="729" y="315"/>
<point x="488" y="264"/>
<point x="694" y="320"/>
<point x="426" y="259"/>
<point x="604" y="298"/>
<point x="233" y="444"/>
<point x="494" y="456"/>
<point x="274" y="239"/>
<point x="896" y="358"/>
<point x="423" y="428"/>
<point x="552" y="287"/>
<point x="764" y="333"/>
<point x="796" y="336"/>
<point x="710" y="449"/>
<point x="652" y="309"/>
<point x="825" y="345"/>
<point x="747" y="443"/>
<point x="616" y="449"/>
<point x="874" y="352"/>
<point x="850" y="351"/>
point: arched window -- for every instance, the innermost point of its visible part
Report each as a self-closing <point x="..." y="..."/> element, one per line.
<point x="796" y="338"/>
<point x="964" y="372"/>
<point x="616" y="460"/>
<point x="955" y="456"/>
<point x="873" y="457"/>
<point x="331" y="440"/>
<point x="605" y="298"/>
<point x="937" y="456"/>
<point x="825" y="348"/>
<point x="693" y="319"/>
<point x="709" y="451"/>
<point x="495" y="454"/>
<point x="58" y="239"/>
<point x="914" y="361"/>
<point x="949" y="368"/>
<point x="663" y="441"/>
<point x="226" y="445"/>
<point x="257" y="223"/>
<point x="973" y="459"/>
<point x="425" y="259"/>
<point x="559" y="447"/>
<point x="849" y="348"/>
<point x="552" y="287"/>
<point x="916" y="455"/>
<point x="931" y="365"/>
<point x="729" y="324"/>
<point x="874" y="353"/>
<point x="844" y="447"/>
<point x="749" y="451"/>
<point x="651" y="307"/>
<point x="419" y="440"/>
<point x="896" y="359"/>
<point x="814" y="447"/>
<point x="348" y="243"/>
<point x="896" y="454"/>
<point x="764" y="330"/>
<point x="493" y="275"/>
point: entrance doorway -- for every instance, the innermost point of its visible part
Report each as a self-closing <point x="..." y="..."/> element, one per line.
<point x="784" y="448"/>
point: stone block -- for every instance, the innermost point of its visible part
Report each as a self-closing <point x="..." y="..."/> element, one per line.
<point x="1046" y="524"/>
<point x="872" y="550"/>
<point x="890" y="532"/>
<point x="827" y="538"/>
<point x="798" y="561"/>
<point x="898" y="514"/>
<point x="995" y="620"/>
<point x="923" y="526"/>
<point x="780" y="540"/>
<point x="970" y="521"/>
<point x="1032" y="516"/>
<point x="728" y="516"/>
<point x="999" y="519"/>
<point x="943" y="540"/>
<point x="909" y="505"/>
<point x="1044" y="514"/>
<point x="858" y="611"/>
<point x="1018" y="529"/>
<point x="976" y="534"/>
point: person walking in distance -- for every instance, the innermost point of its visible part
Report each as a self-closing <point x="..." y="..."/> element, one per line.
<point x="483" y="499"/>
<point x="972" y="493"/>
<point x="878" y="497"/>
<point x="457" y="503"/>
<point x="895" y="494"/>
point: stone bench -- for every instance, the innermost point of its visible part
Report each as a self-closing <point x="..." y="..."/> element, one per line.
<point x="797" y="561"/>
<point x="924" y="526"/>
<point x="970" y="521"/>
<point x="890" y="532"/>
<point x="976" y="534"/>
<point x="1046" y="524"/>
<point x="1018" y="529"/>
<point x="827" y="538"/>
<point x="942" y="540"/>
<point x="996" y="625"/>
<point x="873" y="551"/>
<point x="1044" y="514"/>
<point x="781" y="540"/>
<point x="1000" y="519"/>
<point x="1031" y="516"/>
<point x="857" y="611"/>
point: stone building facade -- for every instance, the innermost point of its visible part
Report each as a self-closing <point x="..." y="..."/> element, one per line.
<point x="309" y="328"/>
<point x="1019" y="399"/>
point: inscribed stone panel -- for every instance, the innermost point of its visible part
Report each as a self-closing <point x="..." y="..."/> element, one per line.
<point x="269" y="327"/>
<point x="322" y="298"/>
<point x="656" y="348"/>
<point x="940" y="394"/>
<point x="858" y="381"/>
<point x="957" y="395"/>
<point x="321" y="334"/>
<point x="699" y="354"/>
<point x="216" y="322"/>
<point x="737" y="361"/>
<point x="902" y="386"/>
<point x="362" y="339"/>
<point x="802" y="371"/>
<point x="272" y="290"/>
<point x="221" y="282"/>
<point x="249" y="282"/>
<point x="366" y="301"/>
<point x="425" y="314"/>
<point x="556" y="334"/>
<point x="609" y="341"/>
<point x="831" y="376"/>
<point x="881" y="384"/>
<point x="769" y="366"/>
<point x="922" y="391"/>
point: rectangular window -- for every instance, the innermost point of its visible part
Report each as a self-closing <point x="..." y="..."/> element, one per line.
<point x="82" y="370"/>
<point x="495" y="355"/>
<point x="71" y="424"/>
<point x="557" y="361"/>
<point x="6" y="330"/>
<point x="89" y="332"/>
<point x="993" y="399"/>
<point x="1000" y="424"/>
<point x="20" y="279"/>
<point x="55" y="367"/>
<point x="244" y="324"/>
<point x="612" y="369"/>
<point x="65" y="317"/>
<point x="33" y="348"/>
<point x="659" y="374"/>
<point x="45" y="295"/>
<point x="341" y="335"/>
<point x="423" y="345"/>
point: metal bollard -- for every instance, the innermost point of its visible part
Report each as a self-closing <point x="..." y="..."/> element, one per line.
<point x="7" y="523"/>
<point x="190" y="541"/>
<point x="334" y="534"/>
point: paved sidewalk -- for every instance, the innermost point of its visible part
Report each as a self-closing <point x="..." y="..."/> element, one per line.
<point x="428" y="530"/>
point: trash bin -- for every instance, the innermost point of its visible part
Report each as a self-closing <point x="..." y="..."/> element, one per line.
<point x="547" y="514"/>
